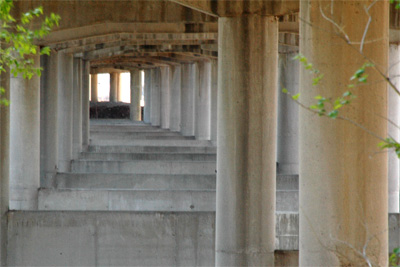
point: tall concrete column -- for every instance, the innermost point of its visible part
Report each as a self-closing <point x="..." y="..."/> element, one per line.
<point x="85" y="104"/>
<point x="214" y="100"/>
<point x="93" y="89"/>
<point x="155" y="113"/>
<point x="25" y="141"/>
<point x="4" y="167"/>
<point x="203" y="101"/>
<point x="175" y="98"/>
<point x="165" y="97"/>
<point x="343" y="182"/>
<point x="77" y="108"/>
<point x="65" y="114"/>
<point x="147" y="96"/>
<point x="136" y="94"/>
<point x="246" y="166"/>
<point x="188" y="83"/>
<point x="48" y="120"/>
<point x="119" y="88"/>
<point x="393" y="130"/>
<point x="114" y="82"/>
<point x="288" y="115"/>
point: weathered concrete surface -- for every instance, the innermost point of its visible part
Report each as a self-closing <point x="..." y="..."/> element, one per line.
<point x="393" y="130"/>
<point x="338" y="176"/>
<point x="135" y="181"/>
<point x="111" y="239"/>
<point x="48" y="119"/>
<point x="188" y="84"/>
<point x="150" y="156"/>
<point x="24" y="139"/>
<point x="4" y="168"/>
<point x="143" y="166"/>
<point x="127" y="200"/>
<point x="246" y="164"/>
<point x="74" y="238"/>
<point x="288" y="116"/>
<point x="65" y="106"/>
<point x="136" y="94"/>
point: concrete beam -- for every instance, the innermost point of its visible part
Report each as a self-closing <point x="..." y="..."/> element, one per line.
<point x="139" y="50"/>
<point x="101" y="29"/>
<point x="227" y="8"/>
<point x="99" y="42"/>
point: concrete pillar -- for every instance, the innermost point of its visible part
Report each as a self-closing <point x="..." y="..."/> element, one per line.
<point x="48" y="120"/>
<point x="77" y="108"/>
<point x="165" y="97"/>
<point x="288" y="116"/>
<point x="25" y="141"/>
<point x="93" y="89"/>
<point x="119" y="88"/>
<point x="203" y="101"/>
<point x="393" y="130"/>
<point x="175" y="98"/>
<point x="4" y="167"/>
<point x="136" y="94"/>
<point x="147" y="96"/>
<point x="343" y="182"/>
<point x="85" y="104"/>
<point x="65" y="114"/>
<point x="214" y="100"/>
<point x="114" y="82"/>
<point x="246" y="167"/>
<point x="188" y="83"/>
<point x="155" y="113"/>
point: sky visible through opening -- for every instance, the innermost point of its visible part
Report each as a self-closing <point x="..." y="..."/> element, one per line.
<point x="103" y="87"/>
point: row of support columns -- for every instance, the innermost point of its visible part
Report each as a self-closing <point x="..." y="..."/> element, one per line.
<point x="338" y="176"/>
<point x="179" y="97"/>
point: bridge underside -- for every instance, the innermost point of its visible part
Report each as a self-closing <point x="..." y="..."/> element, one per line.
<point x="221" y="167"/>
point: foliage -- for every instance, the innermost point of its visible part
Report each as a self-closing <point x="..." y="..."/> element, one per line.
<point x="17" y="41"/>
<point x="394" y="259"/>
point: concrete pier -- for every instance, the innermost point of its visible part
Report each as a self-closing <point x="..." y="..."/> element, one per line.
<point x="114" y="83"/>
<point x="246" y="165"/>
<point x="48" y="120"/>
<point x="165" y="97"/>
<point x="214" y="101"/>
<point x="188" y="84"/>
<point x="77" y="107"/>
<point x="340" y="173"/>
<point x="136" y="94"/>
<point x="25" y="141"/>
<point x="147" y="96"/>
<point x="93" y="89"/>
<point x="393" y="130"/>
<point x="175" y="98"/>
<point x="288" y="115"/>
<point x="155" y="113"/>
<point x="65" y="105"/>
<point x="85" y="104"/>
<point x="203" y="101"/>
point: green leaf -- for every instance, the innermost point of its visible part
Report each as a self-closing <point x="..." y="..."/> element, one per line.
<point x="347" y="93"/>
<point x="285" y="91"/>
<point x="45" y="51"/>
<point x="333" y="114"/>
<point x="296" y="96"/>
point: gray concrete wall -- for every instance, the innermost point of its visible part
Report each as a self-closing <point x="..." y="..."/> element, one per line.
<point x="136" y="238"/>
<point x="111" y="239"/>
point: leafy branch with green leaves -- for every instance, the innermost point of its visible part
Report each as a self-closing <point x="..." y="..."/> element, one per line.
<point x="17" y="41"/>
